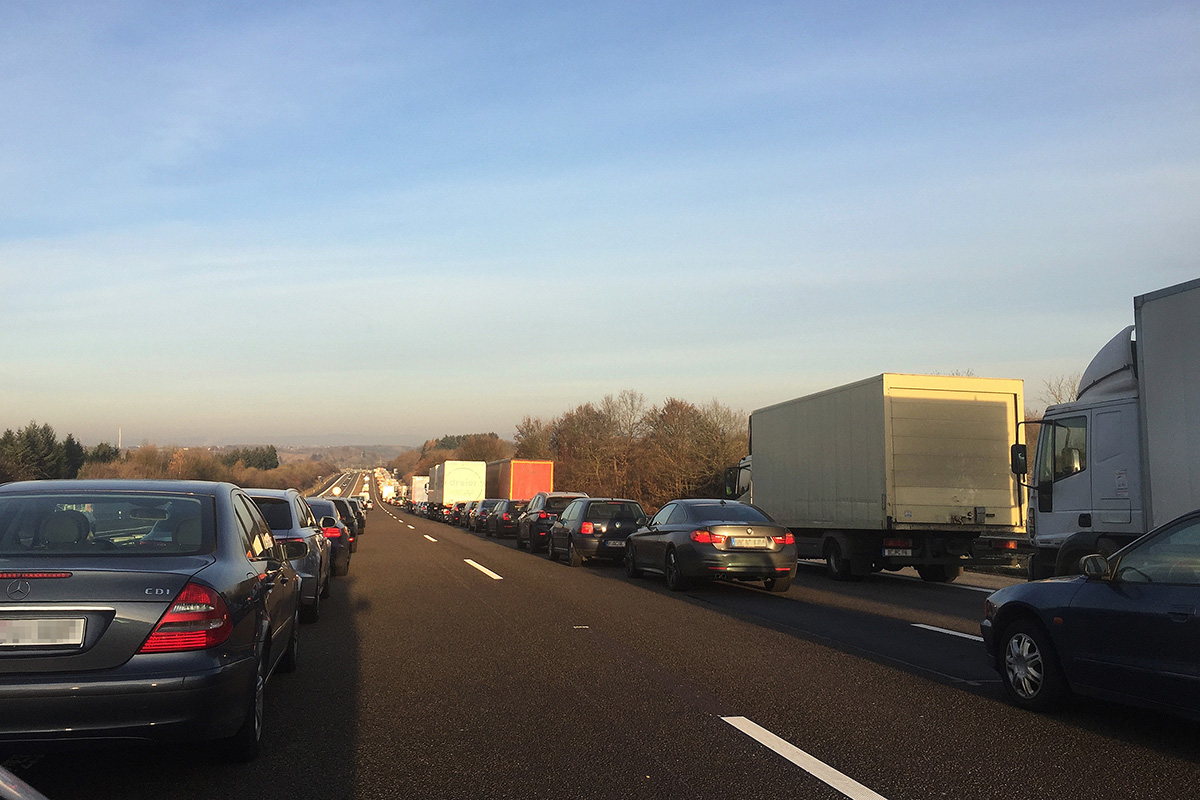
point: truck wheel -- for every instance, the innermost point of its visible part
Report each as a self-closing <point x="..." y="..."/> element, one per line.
<point x="836" y="566"/>
<point x="939" y="573"/>
<point x="1029" y="668"/>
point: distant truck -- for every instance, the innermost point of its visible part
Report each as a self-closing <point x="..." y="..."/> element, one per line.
<point x="419" y="489"/>
<point x="456" y="481"/>
<point x="893" y="471"/>
<point x="518" y="478"/>
<point x="1124" y="457"/>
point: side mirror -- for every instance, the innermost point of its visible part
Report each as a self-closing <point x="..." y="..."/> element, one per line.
<point x="328" y="522"/>
<point x="293" y="550"/>
<point x="642" y="522"/>
<point x="1018" y="456"/>
<point x="1094" y="566"/>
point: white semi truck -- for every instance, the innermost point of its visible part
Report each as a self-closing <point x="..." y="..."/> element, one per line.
<point x="1124" y="457"/>
<point x="890" y="472"/>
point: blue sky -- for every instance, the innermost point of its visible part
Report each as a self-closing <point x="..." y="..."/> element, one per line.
<point x="228" y="222"/>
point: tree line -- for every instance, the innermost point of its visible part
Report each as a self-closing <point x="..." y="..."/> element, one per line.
<point x="619" y="446"/>
<point x="36" y="453"/>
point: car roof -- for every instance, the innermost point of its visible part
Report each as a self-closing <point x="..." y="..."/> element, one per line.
<point x="116" y="485"/>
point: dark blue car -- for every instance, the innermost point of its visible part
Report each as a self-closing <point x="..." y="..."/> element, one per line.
<point x="1127" y="630"/>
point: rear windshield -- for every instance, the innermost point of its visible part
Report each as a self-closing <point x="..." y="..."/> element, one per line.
<point x="602" y="512"/>
<point x="321" y="508"/>
<point x="555" y="505"/>
<point x="277" y="511"/>
<point x="487" y="505"/>
<point x="104" y="524"/>
<point x="726" y="512"/>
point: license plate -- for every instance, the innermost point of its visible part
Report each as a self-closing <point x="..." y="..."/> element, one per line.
<point x="614" y="542"/>
<point x="41" y="632"/>
<point x="748" y="541"/>
<point x="897" y="551"/>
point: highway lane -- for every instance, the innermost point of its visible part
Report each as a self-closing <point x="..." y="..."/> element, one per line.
<point x="427" y="677"/>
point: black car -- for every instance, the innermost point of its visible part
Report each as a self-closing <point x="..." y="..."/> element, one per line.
<point x="477" y="516"/>
<point x="140" y="610"/>
<point x="593" y="527"/>
<point x="454" y="513"/>
<point x="533" y="526"/>
<point x="689" y="540"/>
<point x="345" y="512"/>
<point x="502" y="519"/>
<point x="360" y="513"/>
<point x="1127" y="630"/>
<point x="340" y="537"/>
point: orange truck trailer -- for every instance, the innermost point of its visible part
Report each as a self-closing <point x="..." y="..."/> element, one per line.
<point x="518" y="478"/>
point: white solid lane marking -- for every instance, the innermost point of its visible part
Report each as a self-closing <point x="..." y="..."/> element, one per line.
<point x="945" y="630"/>
<point x="815" y="767"/>
<point x="430" y="538"/>
<point x="484" y="570"/>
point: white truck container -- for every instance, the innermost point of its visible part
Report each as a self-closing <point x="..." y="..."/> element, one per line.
<point x="893" y="471"/>
<point x="419" y="488"/>
<point x="1124" y="457"/>
<point x="456" y="481"/>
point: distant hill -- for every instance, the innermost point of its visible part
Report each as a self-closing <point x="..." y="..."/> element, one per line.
<point x="344" y="456"/>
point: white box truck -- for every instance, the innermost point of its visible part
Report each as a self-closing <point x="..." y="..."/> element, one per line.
<point x="1124" y="457"/>
<point x="419" y="489"/>
<point x="891" y="472"/>
<point x="456" y="481"/>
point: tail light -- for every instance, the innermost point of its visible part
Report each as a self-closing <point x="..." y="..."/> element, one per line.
<point x="198" y="619"/>
<point x="787" y="538"/>
<point x="1006" y="544"/>
<point x="707" y="537"/>
<point x="505" y="516"/>
<point x="901" y="543"/>
<point x="587" y="528"/>
<point x="332" y="533"/>
<point x="543" y="515"/>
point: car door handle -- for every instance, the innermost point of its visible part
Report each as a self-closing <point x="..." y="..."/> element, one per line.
<point x="1181" y="613"/>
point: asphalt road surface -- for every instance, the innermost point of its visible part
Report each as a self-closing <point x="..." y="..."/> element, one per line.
<point x="449" y="665"/>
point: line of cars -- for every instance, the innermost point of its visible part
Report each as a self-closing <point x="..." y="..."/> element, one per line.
<point x="169" y="605"/>
<point x="1127" y="630"/>
<point x="686" y="541"/>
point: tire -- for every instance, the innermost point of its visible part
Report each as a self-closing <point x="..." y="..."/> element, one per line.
<point x="778" y="585"/>
<point x="311" y="612"/>
<point x="573" y="556"/>
<point x="675" y="580"/>
<point x="1029" y="667"/>
<point x="344" y="567"/>
<point x="552" y="553"/>
<point x="836" y="566"/>
<point x="245" y="745"/>
<point x="327" y="587"/>
<point x="939" y="573"/>
<point x="631" y="568"/>
<point x="291" y="657"/>
<point x="487" y="531"/>
<point x="520" y="542"/>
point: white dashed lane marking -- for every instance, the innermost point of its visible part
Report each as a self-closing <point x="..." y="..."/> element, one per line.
<point x="484" y="570"/>
<point x="947" y="631"/>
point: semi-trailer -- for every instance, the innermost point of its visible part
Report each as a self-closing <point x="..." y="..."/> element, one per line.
<point x="456" y="481"/>
<point x="518" y="478"/>
<point x="890" y="472"/>
<point x="1124" y="456"/>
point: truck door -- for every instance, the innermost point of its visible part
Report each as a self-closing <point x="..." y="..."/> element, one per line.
<point x="1063" y="501"/>
<point x="1116" y="470"/>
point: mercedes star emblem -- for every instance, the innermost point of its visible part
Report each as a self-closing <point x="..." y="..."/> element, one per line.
<point x="18" y="590"/>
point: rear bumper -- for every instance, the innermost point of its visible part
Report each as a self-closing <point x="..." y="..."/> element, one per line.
<point x="210" y="704"/>
<point x="596" y="547"/>
<point x="744" y="565"/>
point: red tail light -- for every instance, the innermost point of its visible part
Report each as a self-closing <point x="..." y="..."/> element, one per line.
<point x="542" y="515"/>
<point x="198" y="619"/>
<point x="707" y="537"/>
<point x="7" y="575"/>
<point x="587" y="527"/>
<point x="787" y="538"/>
<point x="505" y="516"/>
<point x="332" y="533"/>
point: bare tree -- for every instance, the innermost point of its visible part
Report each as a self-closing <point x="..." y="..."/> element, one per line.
<point x="1061" y="388"/>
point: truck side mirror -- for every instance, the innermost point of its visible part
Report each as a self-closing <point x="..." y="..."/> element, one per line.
<point x="1018" y="456"/>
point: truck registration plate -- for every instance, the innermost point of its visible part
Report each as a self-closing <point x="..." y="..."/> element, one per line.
<point x="898" y="551"/>
<point x="749" y="541"/>
<point x="41" y="632"/>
